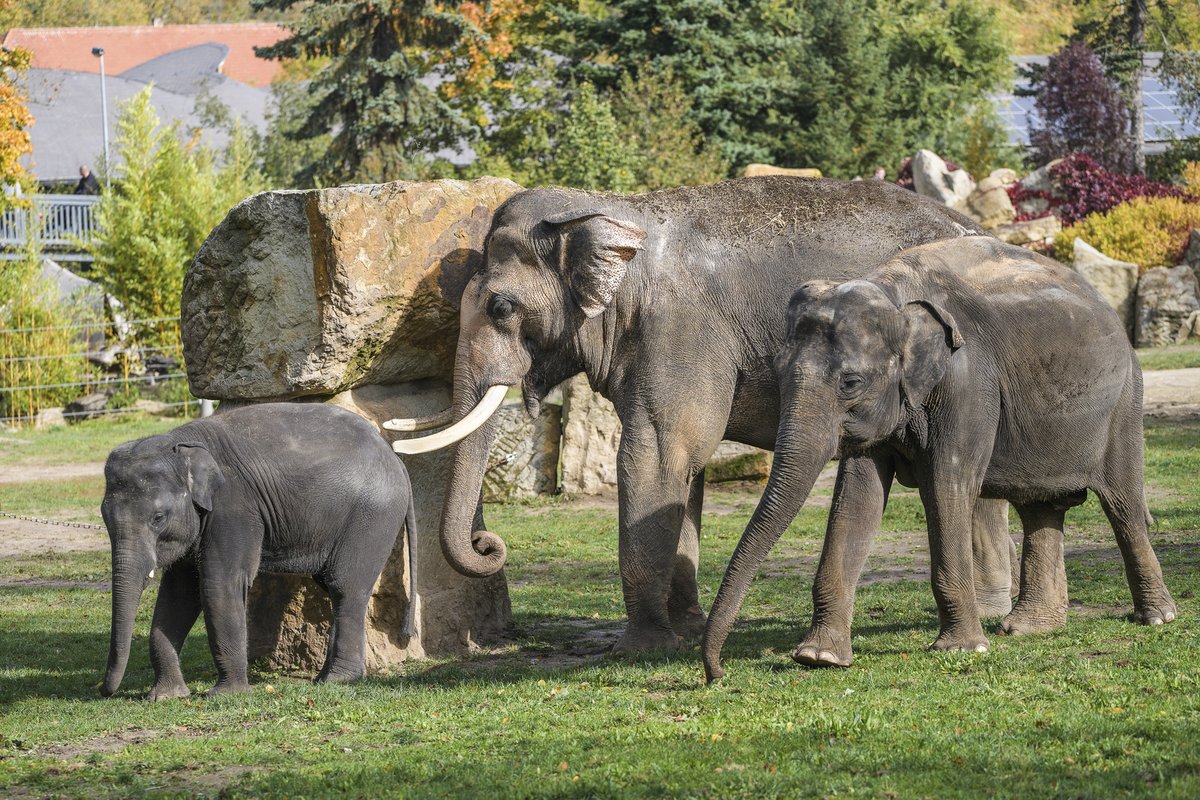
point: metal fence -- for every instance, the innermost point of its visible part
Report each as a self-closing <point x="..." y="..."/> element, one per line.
<point x="42" y="366"/>
<point x="62" y="224"/>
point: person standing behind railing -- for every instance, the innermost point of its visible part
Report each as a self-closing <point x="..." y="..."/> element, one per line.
<point x="87" y="182"/>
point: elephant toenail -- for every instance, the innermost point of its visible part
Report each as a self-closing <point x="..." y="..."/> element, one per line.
<point x="981" y="648"/>
<point x="1156" y="621"/>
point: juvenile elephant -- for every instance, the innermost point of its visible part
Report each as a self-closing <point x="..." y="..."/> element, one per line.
<point x="672" y="303"/>
<point x="966" y="368"/>
<point x="278" y="487"/>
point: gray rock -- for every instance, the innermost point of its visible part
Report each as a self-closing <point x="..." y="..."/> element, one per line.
<point x="1167" y="299"/>
<point x="932" y="178"/>
<point x="49" y="418"/>
<point x="1037" y="181"/>
<point x="289" y="615"/>
<point x="1192" y="256"/>
<point x="1116" y="281"/>
<point x="591" y="434"/>
<point x="524" y="460"/>
<point x="86" y="407"/>
<point x="315" y="292"/>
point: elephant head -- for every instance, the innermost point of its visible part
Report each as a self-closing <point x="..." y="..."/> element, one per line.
<point x="530" y="317"/>
<point x="859" y="364"/>
<point x="155" y="493"/>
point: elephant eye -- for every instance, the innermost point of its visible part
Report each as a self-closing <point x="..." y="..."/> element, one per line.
<point x="499" y="308"/>
<point x="158" y="518"/>
<point x="851" y="383"/>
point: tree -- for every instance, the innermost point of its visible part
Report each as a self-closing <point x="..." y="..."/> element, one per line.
<point x="837" y="84"/>
<point x="592" y="152"/>
<point x="1080" y="110"/>
<point x="166" y="198"/>
<point x="373" y="96"/>
<point x="15" y="118"/>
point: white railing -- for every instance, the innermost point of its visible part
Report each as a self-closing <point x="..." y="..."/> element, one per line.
<point x="63" y="223"/>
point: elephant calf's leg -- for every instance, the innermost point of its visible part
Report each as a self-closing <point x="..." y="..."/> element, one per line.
<point x="225" y="620"/>
<point x="949" y="510"/>
<point x="345" y="659"/>
<point x="1152" y="603"/>
<point x="1042" y="603"/>
<point x="175" y="613"/>
<point x="683" y="604"/>
<point x="860" y="495"/>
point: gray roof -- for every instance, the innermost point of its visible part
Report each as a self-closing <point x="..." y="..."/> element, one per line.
<point x="66" y="106"/>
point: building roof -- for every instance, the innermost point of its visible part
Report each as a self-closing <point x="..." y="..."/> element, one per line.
<point x="128" y="47"/>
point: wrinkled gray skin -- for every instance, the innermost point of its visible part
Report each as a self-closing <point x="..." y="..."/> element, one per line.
<point x="672" y="303"/>
<point x="965" y="368"/>
<point x="278" y="487"/>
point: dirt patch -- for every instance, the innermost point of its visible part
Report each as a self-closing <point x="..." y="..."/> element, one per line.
<point x="110" y="743"/>
<point x="53" y="472"/>
<point x="21" y="538"/>
<point x="18" y="583"/>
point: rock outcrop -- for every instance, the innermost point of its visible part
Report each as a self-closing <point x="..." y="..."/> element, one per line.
<point x="1116" y="281"/>
<point x="1168" y="302"/>
<point x="933" y="178"/>
<point x="327" y="295"/>
<point x="989" y="203"/>
<point x="755" y="170"/>
<point x="300" y="293"/>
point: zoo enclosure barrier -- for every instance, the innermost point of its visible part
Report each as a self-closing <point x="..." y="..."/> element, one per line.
<point x="44" y="367"/>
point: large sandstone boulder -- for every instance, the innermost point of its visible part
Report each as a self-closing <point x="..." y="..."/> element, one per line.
<point x="314" y="292"/>
<point x="1116" y="281"/>
<point x="1167" y="301"/>
<point x="1037" y="182"/>
<point x="933" y="178"/>
<point x="326" y="295"/>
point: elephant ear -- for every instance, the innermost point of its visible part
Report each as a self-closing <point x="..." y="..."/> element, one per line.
<point x="594" y="250"/>
<point x="932" y="337"/>
<point x="201" y="473"/>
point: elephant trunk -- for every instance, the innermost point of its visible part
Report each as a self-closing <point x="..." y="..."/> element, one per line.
<point x="474" y="553"/>
<point x="131" y="572"/>
<point x="802" y="450"/>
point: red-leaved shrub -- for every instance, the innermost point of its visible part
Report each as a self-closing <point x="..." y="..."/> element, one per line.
<point x="1083" y="186"/>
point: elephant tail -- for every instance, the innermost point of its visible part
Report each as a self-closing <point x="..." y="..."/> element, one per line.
<point x="410" y="532"/>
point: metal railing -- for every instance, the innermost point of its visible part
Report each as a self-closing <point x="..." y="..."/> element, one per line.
<point x="61" y="222"/>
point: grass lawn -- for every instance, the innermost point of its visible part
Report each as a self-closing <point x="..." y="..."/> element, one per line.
<point x="1175" y="356"/>
<point x="1101" y="708"/>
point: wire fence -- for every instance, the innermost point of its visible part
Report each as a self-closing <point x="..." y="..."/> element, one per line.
<point x="90" y="369"/>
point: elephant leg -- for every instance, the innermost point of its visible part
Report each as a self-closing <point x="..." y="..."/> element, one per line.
<point x="859" y="497"/>
<point x="345" y="658"/>
<point x="225" y="619"/>
<point x="683" y="604"/>
<point x="1042" y="603"/>
<point x="175" y="613"/>
<point x="949" y="508"/>
<point x="1124" y="503"/>
<point x="991" y="548"/>
<point x="657" y="464"/>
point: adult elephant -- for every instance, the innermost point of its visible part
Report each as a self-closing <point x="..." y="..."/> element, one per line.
<point x="673" y="304"/>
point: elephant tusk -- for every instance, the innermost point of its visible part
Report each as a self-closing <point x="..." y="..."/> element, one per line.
<point x="459" y="430"/>
<point x="420" y="423"/>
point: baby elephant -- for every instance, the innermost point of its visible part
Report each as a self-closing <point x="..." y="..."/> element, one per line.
<point x="966" y="368"/>
<point x="280" y="487"/>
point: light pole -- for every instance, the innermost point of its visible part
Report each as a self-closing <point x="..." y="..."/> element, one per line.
<point x="98" y="52"/>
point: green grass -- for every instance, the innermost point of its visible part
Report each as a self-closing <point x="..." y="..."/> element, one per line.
<point x="1175" y="356"/>
<point x="81" y="442"/>
<point x="1101" y="708"/>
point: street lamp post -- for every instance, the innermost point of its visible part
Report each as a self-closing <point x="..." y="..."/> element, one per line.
<point x="98" y="52"/>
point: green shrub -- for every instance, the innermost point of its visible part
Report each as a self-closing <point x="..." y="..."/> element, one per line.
<point x="1149" y="232"/>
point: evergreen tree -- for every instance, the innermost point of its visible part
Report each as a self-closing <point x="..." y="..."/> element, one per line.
<point x="370" y="96"/>
<point x="592" y="152"/>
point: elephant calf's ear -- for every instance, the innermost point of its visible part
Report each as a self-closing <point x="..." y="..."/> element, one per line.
<point x="594" y="250"/>
<point x="200" y="470"/>
<point x="931" y="339"/>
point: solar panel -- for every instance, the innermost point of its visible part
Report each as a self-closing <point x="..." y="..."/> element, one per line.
<point x="1164" y="118"/>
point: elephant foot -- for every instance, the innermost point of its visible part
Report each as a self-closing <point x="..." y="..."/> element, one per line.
<point x="689" y="624"/>
<point x="1024" y="619"/>
<point x="823" y="647"/>
<point x="993" y="602"/>
<point x="339" y="676"/>
<point x="963" y="642"/>
<point x="639" y="640"/>
<point x="168" y="691"/>
<point x="229" y="687"/>
<point x="1157" y="610"/>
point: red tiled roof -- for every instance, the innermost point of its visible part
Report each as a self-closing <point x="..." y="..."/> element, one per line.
<point x="126" y="47"/>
